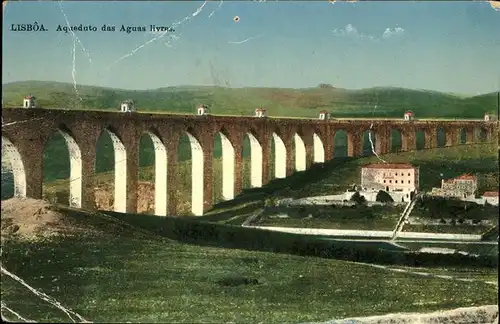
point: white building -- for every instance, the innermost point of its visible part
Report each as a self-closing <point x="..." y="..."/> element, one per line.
<point x="127" y="106"/>
<point x="491" y="197"/>
<point x="397" y="178"/>
<point x="408" y="115"/>
<point x="463" y="187"/>
<point x="29" y="102"/>
<point x="489" y="117"/>
<point x="259" y="112"/>
<point x="324" y="115"/>
<point x="202" y="110"/>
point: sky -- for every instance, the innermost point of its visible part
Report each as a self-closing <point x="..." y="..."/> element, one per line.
<point x="441" y="46"/>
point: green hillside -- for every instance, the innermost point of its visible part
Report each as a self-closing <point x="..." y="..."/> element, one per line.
<point x="391" y="102"/>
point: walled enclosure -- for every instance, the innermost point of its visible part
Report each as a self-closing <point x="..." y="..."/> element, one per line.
<point x="298" y="143"/>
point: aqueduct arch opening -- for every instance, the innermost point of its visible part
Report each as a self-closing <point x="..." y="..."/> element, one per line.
<point x="224" y="155"/>
<point x="149" y="140"/>
<point x="255" y="161"/>
<point x="440" y="137"/>
<point x="109" y="144"/>
<point x="462" y="136"/>
<point x="13" y="157"/>
<point x="56" y="164"/>
<point x="318" y="149"/>
<point x="279" y="157"/>
<point x="396" y="140"/>
<point x="420" y="139"/>
<point x="340" y="144"/>
<point x="481" y="134"/>
<point x="300" y="153"/>
<point x="197" y="175"/>
<point x="370" y="142"/>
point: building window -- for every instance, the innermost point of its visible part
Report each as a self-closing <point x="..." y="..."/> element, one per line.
<point x="408" y="181"/>
<point x="396" y="173"/>
<point x="396" y="181"/>
<point x="384" y="174"/>
<point x="384" y="181"/>
<point x="390" y="181"/>
<point x="408" y="174"/>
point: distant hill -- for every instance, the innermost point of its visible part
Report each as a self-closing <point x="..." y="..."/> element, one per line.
<point x="389" y="102"/>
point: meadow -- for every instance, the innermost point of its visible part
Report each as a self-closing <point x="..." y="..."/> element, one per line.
<point x="117" y="273"/>
<point x="163" y="269"/>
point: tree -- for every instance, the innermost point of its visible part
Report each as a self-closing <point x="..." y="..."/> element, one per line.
<point x="358" y="199"/>
<point x="384" y="197"/>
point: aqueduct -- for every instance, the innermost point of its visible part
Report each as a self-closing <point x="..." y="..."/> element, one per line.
<point x="298" y="143"/>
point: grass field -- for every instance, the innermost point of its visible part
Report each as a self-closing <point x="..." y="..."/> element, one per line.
<point x="121" y="274"/>
<point x="383" y="218"/>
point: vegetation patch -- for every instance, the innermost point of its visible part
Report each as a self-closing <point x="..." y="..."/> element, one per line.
<point x="359" y="217"/>
<point x="119" y="274"/>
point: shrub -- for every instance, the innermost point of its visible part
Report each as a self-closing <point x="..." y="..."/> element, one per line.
<point x="358" y="199"/>
<point x="384" y="197"/>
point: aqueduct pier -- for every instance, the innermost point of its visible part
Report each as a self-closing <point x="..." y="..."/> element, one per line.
<point x="298" y="143"/>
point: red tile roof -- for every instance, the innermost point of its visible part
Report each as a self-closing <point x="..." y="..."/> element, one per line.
<point x="29" y="97"/>
<point x="409" y="112"/>
<point x="324" y="112"/>
<point x="465" y="177"/>
<point x="389" y="166"/>
<point x="260" y="109"/>
<point x="491" y="194"/>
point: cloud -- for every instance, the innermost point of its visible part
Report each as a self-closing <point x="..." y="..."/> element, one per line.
<point x="393" y="32"/>
<point x="351" y="31"/>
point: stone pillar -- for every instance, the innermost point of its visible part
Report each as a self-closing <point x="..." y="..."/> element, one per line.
<point x="172" y="177"/>
<point x="355" y="143"/>
<point x="238" y="168"/>
<point x="329" y="144"/>
<point x="88" y="150"/>
<point x="452" y="135"/>
<point x="208" y="148"/>
<point x="430" y="138"/>
<point x="383" y="141"/>
<point x="470" y="138"/>
<point x="266" y="155"/>
<point x="290" y="156"/>
<point x="408" y="140"/>
<point x="31" y="151"/>
<point x="309" y="146"/>
<point x="132" y="149"/>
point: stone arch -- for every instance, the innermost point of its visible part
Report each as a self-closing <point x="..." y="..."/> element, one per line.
<point x="396" y="140"/>
<point x="340" y="143"/>
<point x="17" y="165"/>
<point x="300" y="153"/>
<point x="120" y="169"/>
<point x="197" y="175"/>
<point x="228" y="165"/>
<point x="160" y="173"/>
<point x="279" y="156"/>
<point x="256" y="171"/>
<point x="318" y="149"/>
